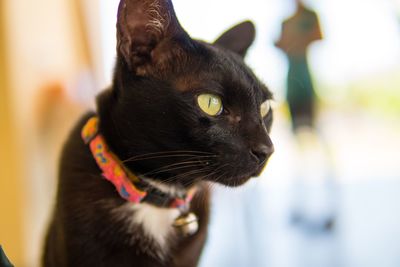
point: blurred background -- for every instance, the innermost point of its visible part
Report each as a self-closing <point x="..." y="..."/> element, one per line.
<point x="331" y="193"/>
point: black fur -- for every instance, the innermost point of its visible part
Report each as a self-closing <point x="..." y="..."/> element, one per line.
<point x="152" y="108"/>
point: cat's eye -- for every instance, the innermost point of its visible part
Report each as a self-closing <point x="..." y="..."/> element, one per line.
<point x="210" y="104"/>
<point x="264" y="108"/>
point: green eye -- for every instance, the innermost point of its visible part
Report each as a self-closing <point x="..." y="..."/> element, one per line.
<point x="264" y="108"/>
<point x="211" y="104"/>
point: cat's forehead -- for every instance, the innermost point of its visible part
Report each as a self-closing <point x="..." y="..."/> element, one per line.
<point x="223" y="72"/>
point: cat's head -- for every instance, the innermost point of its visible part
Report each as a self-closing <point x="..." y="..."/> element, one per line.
<point x="182" y="110"/>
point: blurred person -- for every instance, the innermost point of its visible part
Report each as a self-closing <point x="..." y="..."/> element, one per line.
<point x="312" y="201"/>
<point x="298" y="32"/>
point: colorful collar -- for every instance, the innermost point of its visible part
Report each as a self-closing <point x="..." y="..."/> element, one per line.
<point x="129" y="186"/>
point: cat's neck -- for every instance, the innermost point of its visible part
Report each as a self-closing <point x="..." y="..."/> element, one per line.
<point x="169" y="189"/>
<point x="131" y="187"/>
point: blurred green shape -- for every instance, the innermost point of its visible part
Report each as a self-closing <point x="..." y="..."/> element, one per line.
<point x="4" y="262"/>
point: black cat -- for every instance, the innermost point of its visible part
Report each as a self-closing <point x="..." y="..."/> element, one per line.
<point x="181" y="114"/>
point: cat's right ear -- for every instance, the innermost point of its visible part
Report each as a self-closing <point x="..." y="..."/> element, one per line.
<point x="149" y="35"/>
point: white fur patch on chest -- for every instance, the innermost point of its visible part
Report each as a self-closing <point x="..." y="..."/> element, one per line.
<point x="156" y="222"/>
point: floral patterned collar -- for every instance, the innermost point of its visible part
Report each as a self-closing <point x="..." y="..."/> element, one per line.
<point x="129" y="186"/>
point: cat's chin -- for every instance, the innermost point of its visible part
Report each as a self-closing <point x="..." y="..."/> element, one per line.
<point x="238" y="179"/>
<point x="234" y="181"/>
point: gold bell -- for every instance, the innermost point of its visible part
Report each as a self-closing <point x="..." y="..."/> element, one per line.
<point x="187" y="224"/>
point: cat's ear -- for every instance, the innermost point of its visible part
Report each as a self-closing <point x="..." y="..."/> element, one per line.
<point x="239" y="38"/>
<point x="148" y="34"/>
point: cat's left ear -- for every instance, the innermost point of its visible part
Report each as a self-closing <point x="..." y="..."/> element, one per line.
<point x="238" y="39"/>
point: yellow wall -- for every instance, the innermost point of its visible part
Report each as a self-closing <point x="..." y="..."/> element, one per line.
<point x="47" y="46"/>
<point x="10" y="179"/>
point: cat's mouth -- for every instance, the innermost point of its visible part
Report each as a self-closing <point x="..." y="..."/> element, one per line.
<point x="238" y="177"/>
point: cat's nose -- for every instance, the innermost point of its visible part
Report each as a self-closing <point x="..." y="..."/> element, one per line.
<point x="262" y="152"/>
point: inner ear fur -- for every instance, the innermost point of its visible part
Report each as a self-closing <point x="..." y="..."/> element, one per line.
<point x="149" y="35"/>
